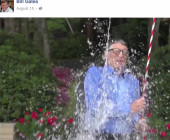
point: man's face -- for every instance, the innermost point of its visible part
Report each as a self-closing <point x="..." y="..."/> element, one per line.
<point x="117" y="56"/>
<point x="4" y="6"/>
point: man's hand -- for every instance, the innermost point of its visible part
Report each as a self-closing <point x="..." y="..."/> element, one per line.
<point x="138" y="105"/>
<point x="142" y="126"/>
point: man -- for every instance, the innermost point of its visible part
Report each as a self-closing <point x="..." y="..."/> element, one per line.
<point x="5" y="7"/>
<point x="112" y="96"/>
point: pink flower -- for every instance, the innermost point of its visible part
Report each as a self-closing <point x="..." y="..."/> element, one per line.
<point x="152" y="131"/>
<point x="148" y="115"/>
<point x="64" y="120"/>
<point x="27" y="113"/>
<point x="63" y="74"/>
<point x="48" y="113"/>
<point x="49" y="121"/>
<point x="144" y="138"/>
<point x="41" y="121"/>
<point x="54" y="118"/>
<point x="45" y="114"/>
<point x="21" y="120"/>
<point x="62" y="89"/>
<point x="40" y="110"/>
<point x="22" y="135"/>
<point x="63" y="98"/>
<point x="39" y="135"/>
<point x="34" y="115"/>
<point x="168" y="125"/>
<point x="163" y="134"/>
<point x="70" y="120"/>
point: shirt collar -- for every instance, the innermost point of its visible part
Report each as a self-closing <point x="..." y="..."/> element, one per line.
<point x="6" y="10"/>
<point x="110" y="70"/>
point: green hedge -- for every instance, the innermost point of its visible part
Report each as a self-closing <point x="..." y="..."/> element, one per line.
<point x="26" y="83"/>
<point x="159" y="91"/>
<point x="74" y="46"/>
<point x="160" y="81"/>
<point x="26" y="79"/>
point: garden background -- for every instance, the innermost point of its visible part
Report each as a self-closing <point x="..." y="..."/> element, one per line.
<point x="43" y="62"/>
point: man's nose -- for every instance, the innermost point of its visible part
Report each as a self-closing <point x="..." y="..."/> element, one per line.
<point x="121" y="54"/>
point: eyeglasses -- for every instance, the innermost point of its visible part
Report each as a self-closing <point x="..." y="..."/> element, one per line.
<point x="117" y="51"/>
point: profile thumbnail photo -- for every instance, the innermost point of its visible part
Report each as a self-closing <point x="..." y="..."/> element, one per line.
<point x="7" y="6"/>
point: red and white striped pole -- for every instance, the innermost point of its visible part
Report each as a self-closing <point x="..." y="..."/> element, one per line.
<point x="149" y="56"/>
<point x="147" y="67"/>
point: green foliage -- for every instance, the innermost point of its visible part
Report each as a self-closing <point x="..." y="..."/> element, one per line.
<point x="60" y="25"/>
<point x="159" y="91"/>
<point x="159" y="124"/>
<point x="56" y="24"/>
<point x="163" y="33"/>
<point x="70" y="109"/>
<point x="41" y="124"/>
<point x="19" y="43"/>
<point x="71" y="47"/>
<point x="26" y="83"/>
<point x="76" y="24"/>
<point x="65" y="45"/>
<point x="160" y="76"/>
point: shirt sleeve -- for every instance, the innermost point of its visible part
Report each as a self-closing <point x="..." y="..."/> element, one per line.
<point x="136" y="96"/>
<point x="91" y="92"/>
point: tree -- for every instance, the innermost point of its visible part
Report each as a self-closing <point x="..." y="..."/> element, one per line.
<point x="10" y="25"/>
<point x="25" y="27"/>
<point x="37" y="36"/>
<point x="46" y="44"/>
<point x="90" y="29"/>
<point x="168" y="22"/>
<point x="40" y="36"/>
<point x="169" y="36"/>
<point x="15" y="25"/>
<point x="1" y="23"/>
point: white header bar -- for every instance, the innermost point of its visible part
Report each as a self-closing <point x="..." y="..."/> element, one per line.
<point x="89" y="8"/>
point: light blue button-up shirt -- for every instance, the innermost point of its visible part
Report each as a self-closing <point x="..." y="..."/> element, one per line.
<point x="8" y="10"/>
<point x="108" y="96"/>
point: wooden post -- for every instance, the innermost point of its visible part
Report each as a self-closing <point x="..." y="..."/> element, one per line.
<point x="7" y="131"/>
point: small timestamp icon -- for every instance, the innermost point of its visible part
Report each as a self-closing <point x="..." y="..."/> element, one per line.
<point x="40" y="8"/>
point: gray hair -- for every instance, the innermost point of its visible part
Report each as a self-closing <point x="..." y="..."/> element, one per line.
<point x="114" y="41"/>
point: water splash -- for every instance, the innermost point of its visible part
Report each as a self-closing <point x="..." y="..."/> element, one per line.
<point x="102" y="113"/>
<point x="101" y="116"/>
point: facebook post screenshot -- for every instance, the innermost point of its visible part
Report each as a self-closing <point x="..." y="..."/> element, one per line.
<point x="84" y="70"/>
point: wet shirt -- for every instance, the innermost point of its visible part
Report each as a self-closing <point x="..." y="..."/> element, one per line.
<point x="108" y="97"/>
